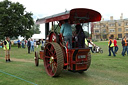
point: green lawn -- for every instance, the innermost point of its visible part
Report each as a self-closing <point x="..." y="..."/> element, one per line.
<point x="104" y="70"/>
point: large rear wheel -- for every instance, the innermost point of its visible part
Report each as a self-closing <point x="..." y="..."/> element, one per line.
<point x="53" y="59"/>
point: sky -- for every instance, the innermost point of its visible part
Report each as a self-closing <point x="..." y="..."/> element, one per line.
<point x="107" y="8"/>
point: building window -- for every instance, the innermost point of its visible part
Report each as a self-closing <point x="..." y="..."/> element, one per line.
<point x="126" y="23"/>
<point x="104" y="30"/>
<point x="126" y="29"/>
<point x="126" y="34"/>
<point x="119" y="29"/>
<point x="119" y="35"/>
<point x="97" y="26"/>
<point x="103" y="25"/>
<point x="97" y="36"/>
<point x="111" y="25"/>
<point x="111" y="30"/>
<point x="104" y="36"/>
<point x="97" y="31"/>
<point x="119" y="24"/>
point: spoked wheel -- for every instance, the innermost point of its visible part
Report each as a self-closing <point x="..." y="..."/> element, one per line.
<point x="36" y="58"/>
<point x="53" y="59"/>
<point x="101" y="51"/>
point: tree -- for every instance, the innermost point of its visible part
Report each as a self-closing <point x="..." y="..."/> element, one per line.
<point x="33" y="30"/>
<point x="36" y="29"/>
<point x="86" y="34"/>
<point x="14" y="20"/>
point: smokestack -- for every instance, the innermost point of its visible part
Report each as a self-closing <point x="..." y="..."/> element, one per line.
<point x="121" y="17"/>
<point x="111" y="17"/>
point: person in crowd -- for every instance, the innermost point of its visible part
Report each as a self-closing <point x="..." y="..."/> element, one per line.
<point x="42" y="42"/>
<point x="7" y="47"/>
<point x="127" y="46"/>
<point x="111" y="45"/>
<point x="32" y="45"/>
<point x="87" y="42"/>
<point x="91" y="45"/>
<point x="19" y="46"/>
<point x="23" y="43"/>
<point x="115" y="45"/>
<point x="79" y="36"/>
<point x="29" y="45"/>
<point x="42" y="47"/>
<point x="124" y="45"/>
<point x="10" y="44"/>
<point x="66" y="32"/>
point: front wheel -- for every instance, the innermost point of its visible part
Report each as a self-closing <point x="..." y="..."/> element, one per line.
<point x="53" y="59"/>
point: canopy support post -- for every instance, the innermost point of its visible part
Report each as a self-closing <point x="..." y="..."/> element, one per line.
<point x="46" y="29"/>
<point x="88" y="24"/>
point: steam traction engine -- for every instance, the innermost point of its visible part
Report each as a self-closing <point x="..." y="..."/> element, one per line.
<point x="56" y="55"/>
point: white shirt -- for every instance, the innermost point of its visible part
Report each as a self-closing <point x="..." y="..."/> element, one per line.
<point x="90" y="45"/>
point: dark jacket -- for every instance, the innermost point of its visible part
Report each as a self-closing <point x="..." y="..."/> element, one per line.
<point x="123" y="43"/>
<point x="81" y="38"/>
<point x="29" y="44"/>
<point x="110" y="43"/>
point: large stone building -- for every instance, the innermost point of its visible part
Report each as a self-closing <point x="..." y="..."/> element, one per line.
<point x="104" y="29"/>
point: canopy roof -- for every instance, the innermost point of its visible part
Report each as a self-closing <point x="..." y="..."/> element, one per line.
<point x="78" y="15"/>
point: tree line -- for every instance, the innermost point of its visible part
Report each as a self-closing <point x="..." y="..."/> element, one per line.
<point x="16" y="21"/>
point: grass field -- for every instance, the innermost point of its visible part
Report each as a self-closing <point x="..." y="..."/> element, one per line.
<point x="104" y="70"/>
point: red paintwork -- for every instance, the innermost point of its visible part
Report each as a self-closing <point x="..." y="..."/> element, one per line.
<point x="71" y="61"/>
<point x="52" y="37"/>
<point x="50" y="51"/>
<point x="81" y="12"/>
<point x="80" y="64"/>
<point x="42" y="54"/>
<point x="68" y="54"/>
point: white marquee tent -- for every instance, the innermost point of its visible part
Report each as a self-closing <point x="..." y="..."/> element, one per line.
<point x="38" y="36"/>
